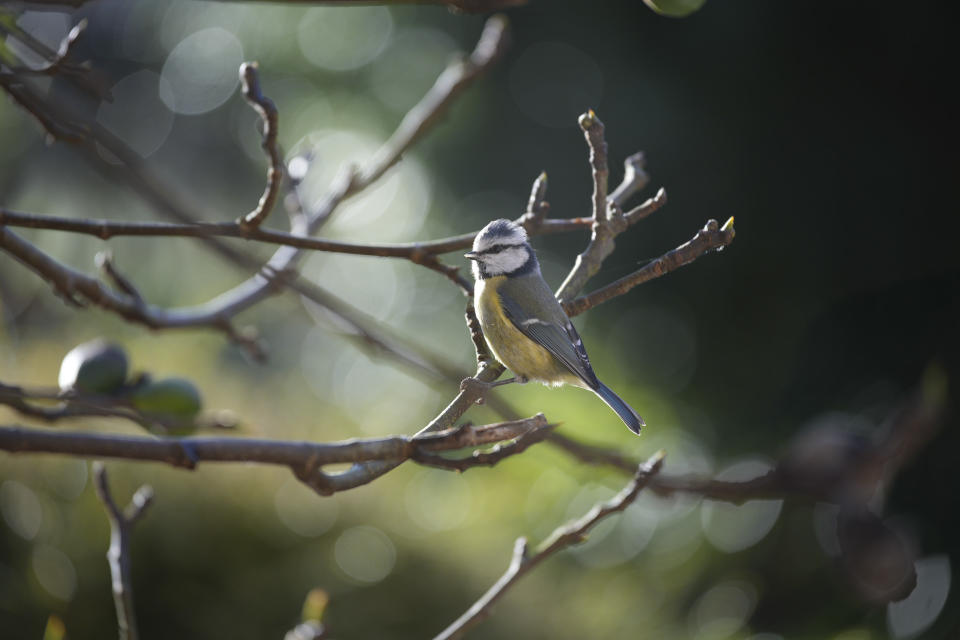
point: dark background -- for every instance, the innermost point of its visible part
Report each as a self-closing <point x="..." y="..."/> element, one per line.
<point x="823" y="127"/>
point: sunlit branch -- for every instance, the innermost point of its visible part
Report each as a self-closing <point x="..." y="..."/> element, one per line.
<point x="588" y="262"/>
<point x="711" y="238"/>
<point x="635" y="178"/>
<point x="569" y="534"/>
<point x="305" y="459"/>
<point x="118" y="554"/>
<point x="607" y="219"/>
<point x="264" y="106"/>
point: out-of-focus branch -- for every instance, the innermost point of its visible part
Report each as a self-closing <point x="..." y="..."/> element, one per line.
<point x="264" y="106"/>
<point x="822" y="464"/>
<point x="635" y="178"/>
<point x="414" y="251"/>
<point x="51" y="406"/>
<point x="118" y="554"/>
<point x="711" y="238"/>
<point x="279" y="270"/>
<point x="305" y="459"/>
<point x="79" y="289"/>
<point x="466" y="6"/>
<point x="569" y="534"/>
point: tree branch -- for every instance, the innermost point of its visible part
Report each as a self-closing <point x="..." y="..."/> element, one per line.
<point x="711" y="238"/>
<point x="118" y="555"/>
<point x="414" y="251"/>
<point x="569" y="534"/>
<point x="607" y="219"/>
<point x="264" y="106"/>
<point x="305" y="459"/>
<point x="635" y="178"/>
<point x="279" y="270"/>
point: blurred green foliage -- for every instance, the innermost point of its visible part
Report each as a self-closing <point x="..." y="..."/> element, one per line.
<point x="823" y="127"/>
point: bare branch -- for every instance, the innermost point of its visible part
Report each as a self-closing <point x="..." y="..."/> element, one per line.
<point x="105" y="229"/>
<point x="78" y="288"/>
<point x="118" y="555"/>
<point x="305" y="459"/>
<point x="466" y="6"/>
<point x="279" y="270"/>
<point x="264" y="106"/>
<point x="457" y="76"/>
<point x="497" y="453"/>
<point x="608" y="220"/>
<point x="567" y="535"/>
<point x="711" y="238"/>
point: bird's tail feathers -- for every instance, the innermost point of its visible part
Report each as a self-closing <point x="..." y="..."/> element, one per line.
<point x="630" y="417"/>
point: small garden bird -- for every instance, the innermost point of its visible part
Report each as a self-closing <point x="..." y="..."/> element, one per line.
<point x="523" y="323"/>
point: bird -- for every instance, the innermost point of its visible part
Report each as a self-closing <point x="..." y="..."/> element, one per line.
<point x="524" y="325"/>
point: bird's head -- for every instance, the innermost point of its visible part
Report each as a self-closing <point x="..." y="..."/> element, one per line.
<point x="501" y="248"/>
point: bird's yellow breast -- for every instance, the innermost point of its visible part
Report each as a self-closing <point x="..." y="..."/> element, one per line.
<point x="509" y="345"/>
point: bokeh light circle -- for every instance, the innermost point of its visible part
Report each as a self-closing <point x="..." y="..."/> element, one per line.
<point x="139" y="114"/>
<point x="918" y="611"/>
<point x="202" y="71"/>
<point x="438" y="501"/>
<point x="365" y="554"/>
<point x="21" y="509"/>
<point x="723" y="610"/>
<point x="298" y="508"/>
<point x="731" y="527"/>
<point x="341" y="40"/>
<point x="54" y="571"/>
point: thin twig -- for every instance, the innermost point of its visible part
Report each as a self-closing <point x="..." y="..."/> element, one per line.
<point x="567" y="535"/>
<point x="601" y="240"/>
<point x="118" y="555"/>
<point x="497" y="453"/>
<point x="264" y="106"/>
<point x="635" y="178"/>
<point x="711" y="238"/>
<point x="80" y="288"/>
<point x="106" y="229"/>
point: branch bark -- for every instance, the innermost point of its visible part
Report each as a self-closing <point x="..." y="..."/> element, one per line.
<point x="711" y="238"/>
<point x="305" y="459"/>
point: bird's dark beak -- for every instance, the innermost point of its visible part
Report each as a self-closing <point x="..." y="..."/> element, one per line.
<point x="472" y="256"/>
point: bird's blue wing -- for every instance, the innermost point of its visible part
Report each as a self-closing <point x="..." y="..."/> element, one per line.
<point x="555" y="333"/>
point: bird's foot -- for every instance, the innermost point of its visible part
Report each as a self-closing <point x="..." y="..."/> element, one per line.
<point x="481" y="388"/>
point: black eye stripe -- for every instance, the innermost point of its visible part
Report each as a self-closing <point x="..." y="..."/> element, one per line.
<point x="497" y="248"/>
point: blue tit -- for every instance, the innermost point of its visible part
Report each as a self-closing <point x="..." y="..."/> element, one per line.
<point x="525" y="327"/>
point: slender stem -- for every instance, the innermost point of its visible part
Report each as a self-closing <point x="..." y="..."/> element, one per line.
<point x="106" y="229"/>
<point x="118" y="554"/>
<point x="264" y="106"/>
<point x="569" y="534"/>
<point x="710" y="238"/>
